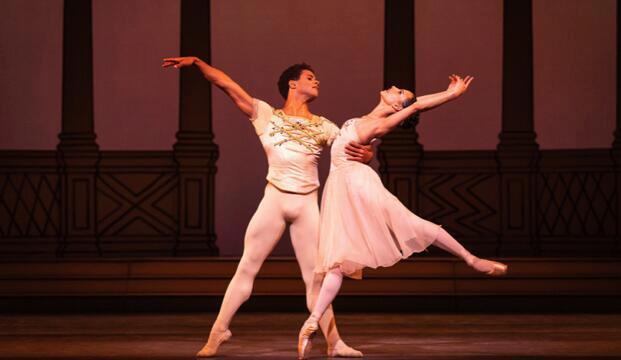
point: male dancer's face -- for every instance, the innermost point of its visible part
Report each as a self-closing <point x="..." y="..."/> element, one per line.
<point x="307" y="85"/>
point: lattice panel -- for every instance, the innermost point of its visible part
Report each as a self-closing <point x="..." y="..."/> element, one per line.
<point x="139" y="204"/>
<point x="464" y="204"/>
<point x="29" y="205"/>
<point x="576" y="204"/>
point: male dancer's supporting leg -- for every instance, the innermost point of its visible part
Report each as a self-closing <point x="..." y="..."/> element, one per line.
<point x="263" y="232"/>
<point x="262" y="235"/>
<point x="305" y="237"/>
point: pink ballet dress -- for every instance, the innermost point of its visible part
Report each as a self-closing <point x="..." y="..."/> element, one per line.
<point x="362" y="223"/>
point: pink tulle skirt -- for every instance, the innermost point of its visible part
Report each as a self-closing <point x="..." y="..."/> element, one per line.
<point x="364" y="225"/>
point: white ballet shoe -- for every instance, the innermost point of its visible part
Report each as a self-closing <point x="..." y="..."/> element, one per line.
<point x="343" y="350"/>
<point x="305" y="338"/>
<point x="215" y="340"/>
<point x="489" y="267"/>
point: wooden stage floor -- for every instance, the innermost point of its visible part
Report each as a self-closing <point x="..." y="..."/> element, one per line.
<point x="273" y="336"/>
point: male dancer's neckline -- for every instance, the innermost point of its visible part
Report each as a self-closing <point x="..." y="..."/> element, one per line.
<point x="307" y="115"/>
<point x="297" y="108"/>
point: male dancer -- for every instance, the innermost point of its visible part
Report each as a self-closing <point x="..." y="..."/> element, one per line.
<point x="293" y="139"/>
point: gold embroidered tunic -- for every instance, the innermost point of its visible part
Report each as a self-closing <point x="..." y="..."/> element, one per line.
<point x="292" y="146"/>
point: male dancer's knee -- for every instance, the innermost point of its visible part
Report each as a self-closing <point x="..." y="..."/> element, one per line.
<point x="244" y="277"/>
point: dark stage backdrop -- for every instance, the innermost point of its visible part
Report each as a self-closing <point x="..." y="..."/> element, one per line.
<point x="136" y="104"/>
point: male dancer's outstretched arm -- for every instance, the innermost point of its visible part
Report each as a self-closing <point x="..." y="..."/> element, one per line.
<point x="217" y="77"/>
<point x="241" y="98"/>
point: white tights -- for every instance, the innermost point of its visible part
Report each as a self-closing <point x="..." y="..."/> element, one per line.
<point x="263" y="233"/>
<point x="334" y="278"/>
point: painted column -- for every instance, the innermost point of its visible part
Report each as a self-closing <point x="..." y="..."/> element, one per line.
<point x="400" y="152"/>
<point x="78" y="152"/>
<point x="517" y="152"/>
<point x="195" y="151"/>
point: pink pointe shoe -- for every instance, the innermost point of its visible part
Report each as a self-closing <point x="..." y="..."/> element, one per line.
<point x="305" y="338"/>
<point x="215" y="340"/>
<point x="489" y="267"/>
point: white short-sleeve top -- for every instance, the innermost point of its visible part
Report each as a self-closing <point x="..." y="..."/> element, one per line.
<point x="292" y="146"/>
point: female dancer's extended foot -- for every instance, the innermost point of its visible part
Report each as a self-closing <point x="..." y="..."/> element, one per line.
<point x="305" y="338"/>
<point x="341" y="349"/>
<point x="216" y="338"/>
<point x="488" y="267"/>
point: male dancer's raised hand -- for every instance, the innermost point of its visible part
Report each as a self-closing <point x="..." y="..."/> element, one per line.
<point x="179" y="62"/>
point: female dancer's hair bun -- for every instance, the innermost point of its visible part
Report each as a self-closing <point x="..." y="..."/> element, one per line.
<point x="413" y="119"/>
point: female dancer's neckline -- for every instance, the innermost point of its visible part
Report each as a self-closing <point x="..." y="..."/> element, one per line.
<point x="372" y="118"/>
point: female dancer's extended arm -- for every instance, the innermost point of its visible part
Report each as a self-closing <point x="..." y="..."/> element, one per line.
<point x="217" y="77"/>
<point x="426" y="102"/>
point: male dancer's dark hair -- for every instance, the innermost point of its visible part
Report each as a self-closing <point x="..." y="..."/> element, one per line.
<point x="293" y="72"/>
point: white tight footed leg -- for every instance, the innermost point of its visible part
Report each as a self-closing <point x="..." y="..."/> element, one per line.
<point x="447" y="243"/>
<point x="304" y="238"/>
<point x="327" y="323"/>
<point x="329" y="289"/>
<point x="263" y="232"/>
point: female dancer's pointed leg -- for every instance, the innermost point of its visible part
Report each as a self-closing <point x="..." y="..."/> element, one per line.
<point x="447" y="243"/>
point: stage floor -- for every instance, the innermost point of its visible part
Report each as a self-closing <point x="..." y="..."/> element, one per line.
<point x="273" y="335"/>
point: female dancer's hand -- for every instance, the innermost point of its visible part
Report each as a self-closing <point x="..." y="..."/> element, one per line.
<point x="458" y="86"/>
<point x="179" y="62"/>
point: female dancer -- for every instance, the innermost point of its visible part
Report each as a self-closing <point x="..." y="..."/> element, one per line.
<point x="363" y="224"/>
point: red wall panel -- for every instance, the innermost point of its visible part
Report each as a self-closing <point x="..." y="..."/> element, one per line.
<point x="136" y="102"/>
<point x="461" y="37"/>
<point x="30" y="73"/>
<point x="574" y="73"/>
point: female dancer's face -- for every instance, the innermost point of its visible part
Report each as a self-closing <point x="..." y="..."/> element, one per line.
<point x="307" y="84"/>
<point x="396" y="97"/>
